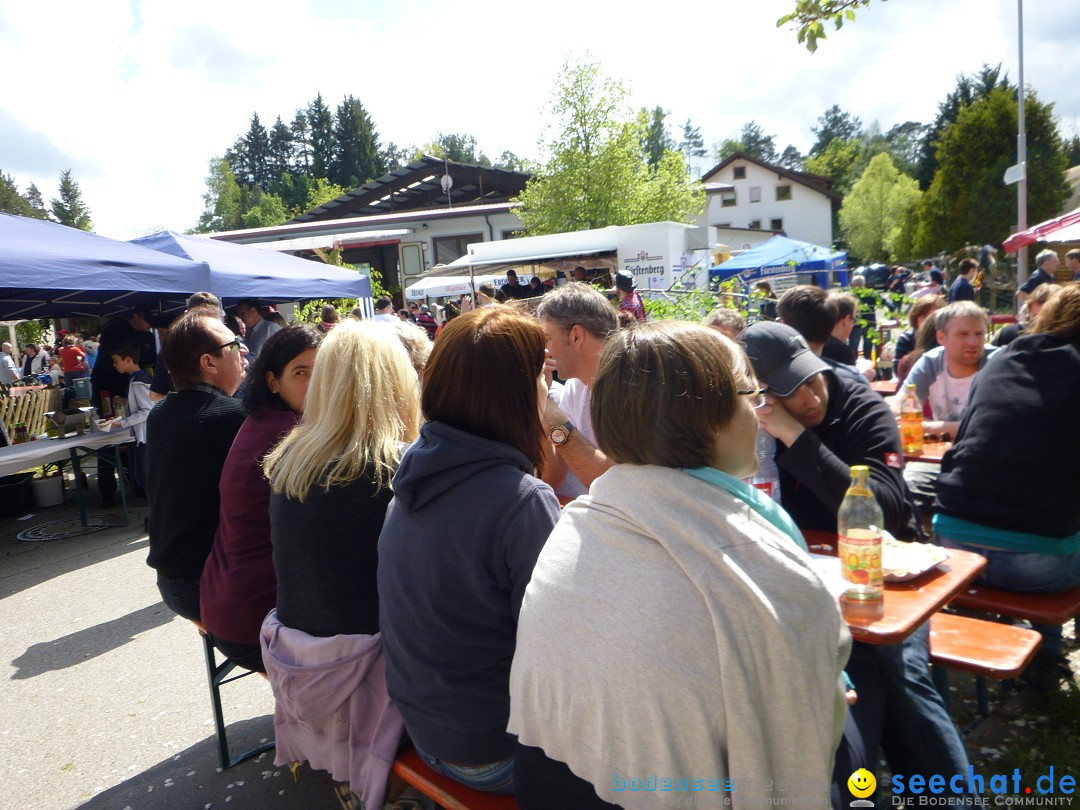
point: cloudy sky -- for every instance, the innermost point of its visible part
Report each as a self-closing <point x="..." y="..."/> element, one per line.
<point x="136" y="96"/>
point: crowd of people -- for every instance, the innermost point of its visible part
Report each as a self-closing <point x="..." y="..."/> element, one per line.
<point x="519" y="534"/>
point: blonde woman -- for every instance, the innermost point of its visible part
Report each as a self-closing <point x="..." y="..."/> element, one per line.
<point x="330" y="482"/>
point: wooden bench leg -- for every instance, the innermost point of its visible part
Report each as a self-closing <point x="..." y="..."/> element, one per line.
<point x="218" y="675"/>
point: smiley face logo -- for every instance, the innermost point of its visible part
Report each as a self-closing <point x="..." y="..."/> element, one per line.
<point x="861" y="783"/>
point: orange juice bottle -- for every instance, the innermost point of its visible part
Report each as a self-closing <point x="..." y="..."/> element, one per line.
<point x="859" y="527"/>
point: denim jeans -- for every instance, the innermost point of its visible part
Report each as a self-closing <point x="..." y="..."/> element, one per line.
<point x="1026" y="572"/>
<point x="899" y="706"/>
<point x="491" y="777"/>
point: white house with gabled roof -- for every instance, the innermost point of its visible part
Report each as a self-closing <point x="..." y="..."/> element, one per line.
<point x="745" y="193"/>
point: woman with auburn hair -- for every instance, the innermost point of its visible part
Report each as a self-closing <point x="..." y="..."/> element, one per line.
<point x="657" y="635"/>
<point x="469" y="517"/>
<point x="1007" y="488"/>
<point x="330" y="481"/>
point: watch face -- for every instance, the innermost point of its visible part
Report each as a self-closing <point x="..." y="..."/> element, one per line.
<point x="559" y="435"/>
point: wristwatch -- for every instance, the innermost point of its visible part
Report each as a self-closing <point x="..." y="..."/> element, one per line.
<point x="560" y="433"/>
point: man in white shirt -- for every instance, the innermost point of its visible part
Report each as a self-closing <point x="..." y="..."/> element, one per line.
<point x="944" y="375"/>
<point x="576" y="319"/>
<point x="384" y="310"/>
<point x="9" y="372"/>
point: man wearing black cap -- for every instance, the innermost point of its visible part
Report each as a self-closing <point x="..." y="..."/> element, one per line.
<point x="629" y="300"/>
<point x="824" y="425"/>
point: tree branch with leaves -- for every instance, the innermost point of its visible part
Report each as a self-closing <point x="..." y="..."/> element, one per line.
<point x="810" y="17"/>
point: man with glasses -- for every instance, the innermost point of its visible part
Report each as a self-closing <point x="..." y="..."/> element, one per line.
<point x="824" y="424"/>
<point x="189" y="434"/>
<point x="258" y="328"/>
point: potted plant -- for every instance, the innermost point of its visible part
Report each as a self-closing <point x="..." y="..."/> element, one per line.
<point x="48" y="486"/>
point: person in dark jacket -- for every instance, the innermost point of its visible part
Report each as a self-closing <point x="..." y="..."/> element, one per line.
<point x="189" y="435"/>
<point x="135" y="329"/>
<point x="1008" y="487"/>
<point x="238" y="587"/>
<point x="962" y="289"/>
<point x="330" y="480"/>
<point x="823" y="426"/>
<point x="463" y="532"/>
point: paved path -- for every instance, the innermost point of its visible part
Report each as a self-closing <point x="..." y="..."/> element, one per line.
<point x="104" y="700"/>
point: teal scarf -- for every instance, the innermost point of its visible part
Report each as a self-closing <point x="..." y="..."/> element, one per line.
<point x="752" y="497"/>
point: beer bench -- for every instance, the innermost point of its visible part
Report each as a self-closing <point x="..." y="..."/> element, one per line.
<point x="986" y="649"/>
<point x="219" y="674"/>
<point x="443" y="790"/>
<point x="1041" y="608"/>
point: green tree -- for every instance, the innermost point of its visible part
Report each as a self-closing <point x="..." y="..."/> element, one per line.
<point x="792" y="159"/>
<point x="511" y="162"/>
<point x="832" y="124"/>
<point x="692" y="144"/>
<point x="267" y="211"/>
<point x="905" y="145"/>
<point x="279" y="158"/>
<point x="596" y="173"/>
<point x="839" y="161"/>
<point x="874" y="213"/>
<point x="968" y="90"/>
<point x="23" y="205"/>
<point x="967" y="202"/>
<point x="657" y="141"/>
<point x="810" y="16"/>
<point x="221" y="203"/>
<point x="752" y="141"/>
<point x="252" y="167"/>
<point x="301" y="142"/>
<point x="320" y="136"/>
<point x="356" y="146"/>
<point x="70" y="209"/>
<point x="458" y="147"/>
<point x="322" y="191"/>
<point x="1072" y="150"/>
<point x="394" y="157"/>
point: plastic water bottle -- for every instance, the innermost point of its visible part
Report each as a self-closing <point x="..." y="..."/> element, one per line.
<point x="767" y="478"/>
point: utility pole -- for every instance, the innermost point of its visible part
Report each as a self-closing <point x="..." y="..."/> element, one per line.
<point x="1021" y="154"/>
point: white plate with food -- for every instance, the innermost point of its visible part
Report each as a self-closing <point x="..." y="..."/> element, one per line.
<point x="901" y="561"/>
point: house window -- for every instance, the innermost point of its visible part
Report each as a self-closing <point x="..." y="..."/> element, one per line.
<point x="783" y="193"/>
<point x="755" y="194"/>
<point x="448" y="248"/>
<point x="740" y="172"/>
<point x="776" y="225"/>
<point x="755" y="225"/>
<point x="727" y="198"/>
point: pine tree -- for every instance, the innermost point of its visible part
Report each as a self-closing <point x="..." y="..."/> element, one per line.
<point x="356" y="148"/>
<point x="301" y="139"/>
<point x="321" y="137"/>
<point x="256" y="157"/>
<point x="70" y="208"/>
<point x="280" y="158"/>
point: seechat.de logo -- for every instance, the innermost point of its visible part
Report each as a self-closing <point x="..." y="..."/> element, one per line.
<point x="861" y="784"/>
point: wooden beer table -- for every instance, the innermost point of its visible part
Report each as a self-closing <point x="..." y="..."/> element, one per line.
<point x="885" y="387"/>
<point x="906" y="605"/>
<point x="931" y="453"/>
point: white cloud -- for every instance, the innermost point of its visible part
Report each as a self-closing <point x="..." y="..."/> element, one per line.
<point x="139" y="97"/>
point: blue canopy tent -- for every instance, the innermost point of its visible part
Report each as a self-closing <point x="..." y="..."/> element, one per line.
<point x="241" y="271"/>
<point x="780" y="256"/>
<point x="51" y="270"/>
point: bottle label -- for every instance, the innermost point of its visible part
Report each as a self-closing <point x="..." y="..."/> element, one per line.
<point x="860" y="562"/>
<point x="766" y="486"/>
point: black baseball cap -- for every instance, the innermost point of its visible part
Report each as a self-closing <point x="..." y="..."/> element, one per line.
<point x="781" y="357"/>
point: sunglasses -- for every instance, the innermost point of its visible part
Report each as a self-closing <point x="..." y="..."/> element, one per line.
<point x="758" y="395"/>
<point x="233" y="345"/>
